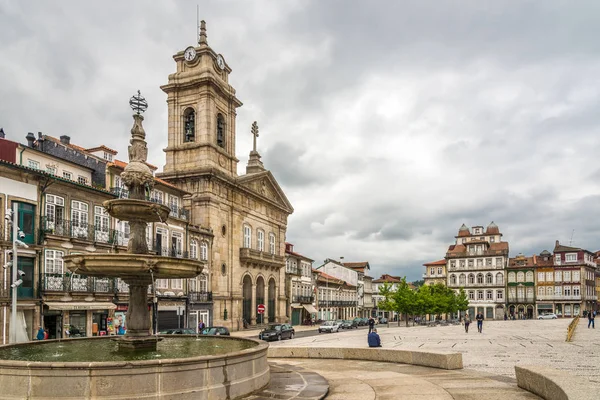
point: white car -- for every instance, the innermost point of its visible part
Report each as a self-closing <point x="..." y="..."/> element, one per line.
<point x="547" y="316"/>
<point x="329" y="326"/>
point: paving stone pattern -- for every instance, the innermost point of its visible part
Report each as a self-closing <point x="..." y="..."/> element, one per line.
<point x="495" y="351"/>
<point x="292" y="382"/>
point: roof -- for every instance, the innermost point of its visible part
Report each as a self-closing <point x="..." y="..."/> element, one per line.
<point x="495" y="248"/>
<point x="387" y="278"/>
<point x="293" y="253"/>
<point x="464" y="231"/>
<point x="331" y="279"/>
<point x="358" y="266"/>
<point x="559" y="248"/>
<point x="102" y="147"/>
<point x="123" y="164"/>
<point x="492" y="229"/>
<point x="439" y="262"/>
<point x="74" y="146"/>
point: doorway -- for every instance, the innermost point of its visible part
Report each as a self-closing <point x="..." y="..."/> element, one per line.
<point x="53" y="325"/>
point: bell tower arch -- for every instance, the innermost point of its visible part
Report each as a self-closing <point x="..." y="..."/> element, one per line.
<point x="202" y="110"/>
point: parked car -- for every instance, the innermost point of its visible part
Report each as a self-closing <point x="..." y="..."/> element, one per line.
<point x="547" y="316"/>
<point x="357" y="320"/>
<point x="329" y="326"/>
<point x="383" y="320"/>
<point x="277" y="332"/>
<point x="349" y="324"/>
<point x="182" y="331"/>
<point x="215" y="331"/>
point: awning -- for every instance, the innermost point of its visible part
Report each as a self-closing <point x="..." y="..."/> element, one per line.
<point x="544" y="306"/>
<point x="80" y="305"/>
<point x="310" y="308"/>
<point x="296" y="305"/>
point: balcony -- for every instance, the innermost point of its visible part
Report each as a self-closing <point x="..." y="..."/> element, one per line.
<point x="200" y="297"/>
<point x="77" y="283"/>
<point x="338" y="303"/>
<point x="81" y="230"/>
<point x="521" y="299"/>
<point x="558" y="297"/>
<point x="303" y="299"/>
<point x="293" y="270"/>
<point x="252" y="256"/>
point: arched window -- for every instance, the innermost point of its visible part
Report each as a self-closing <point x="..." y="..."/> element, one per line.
<point x="511" y="277"/>
<point x="489" y="278"/>
<point x="520" y="276"/>
<point x="541" y="291"/>
<point x="529" y="276"/>
<point x="479" y="278"/>
<point x="189" y="125"/>
<point x="471" y="279"/>
<point x="220" y="131"/>
<point x="204" y="251"/>
<point x="453" y="279"/>
<point x="203" y="283"/>
<point x="462" y="280"/>
<point x="499" y="279"/>
<point x="247" y="236"/>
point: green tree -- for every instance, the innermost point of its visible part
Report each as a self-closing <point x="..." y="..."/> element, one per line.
<point x="404" y="300"/>
<point x="462" y="301"/>
<point x="387" y="304"/>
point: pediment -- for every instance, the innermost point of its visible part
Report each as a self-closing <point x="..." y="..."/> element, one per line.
<point x="263" y="184"/>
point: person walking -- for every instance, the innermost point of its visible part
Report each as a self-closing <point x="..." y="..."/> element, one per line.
<point x="41" y="333"/>
<point x="201" y="326"/>
<point x="373" y="339"/>
<point x="467" y="321"/>
<point x="371" y="324"/>
<point x="591" y="318"/>
<point x="479" y="319"/>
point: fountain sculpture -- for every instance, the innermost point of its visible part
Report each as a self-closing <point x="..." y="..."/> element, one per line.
<point x="181" y="366"/>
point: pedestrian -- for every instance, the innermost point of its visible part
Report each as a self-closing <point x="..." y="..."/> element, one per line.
<point x="505" y="317"/>
<point x="373" y="339"/>
<point x="201" y="326"/>
<point x="591" y="320"/>
<point x="40" y="333"/>
<point x="467" y="321"/>
<point x="371" y="324"/>
<point x="479" y="319"/>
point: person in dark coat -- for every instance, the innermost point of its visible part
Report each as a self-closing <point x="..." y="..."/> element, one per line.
<point x="371" y="324"/>
<point x="373" y="339"/>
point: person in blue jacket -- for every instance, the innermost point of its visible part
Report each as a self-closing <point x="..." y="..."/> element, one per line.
<point x="374" y="339"/>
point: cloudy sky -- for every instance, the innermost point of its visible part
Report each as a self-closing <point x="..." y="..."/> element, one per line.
<point x="387" y="123"/>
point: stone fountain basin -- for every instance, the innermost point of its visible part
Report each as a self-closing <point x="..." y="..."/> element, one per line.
<point x="226" y="376"/>
<point x="133" y="266"/>
<point x="137" y="210"/>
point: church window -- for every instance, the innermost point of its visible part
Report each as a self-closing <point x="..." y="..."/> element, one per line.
<point x="247" y="236"/>
<point x="220" y="131"/>
<point x="189" y="125"/>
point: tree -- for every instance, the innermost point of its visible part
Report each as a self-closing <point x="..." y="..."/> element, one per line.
<point x="387" y="304"/>
<point x="462" y="301"/>
<point x="404" y="299"/>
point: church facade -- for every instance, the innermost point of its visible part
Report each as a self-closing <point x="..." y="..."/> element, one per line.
<point x="247" y="213"/>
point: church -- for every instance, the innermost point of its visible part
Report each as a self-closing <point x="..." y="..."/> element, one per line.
<point x="247" y="213"/>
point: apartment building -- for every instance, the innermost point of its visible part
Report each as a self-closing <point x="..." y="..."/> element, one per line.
<point x="520" y="286"/>
<point x="435" y="272"/>
<point x="337" y="291"/>
<point x="300" y="287"/>
<point x="366" y="305"/>
<point x="477" y="262"/>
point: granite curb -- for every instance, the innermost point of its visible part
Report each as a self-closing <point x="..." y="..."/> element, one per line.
<point x="553" y="384"/>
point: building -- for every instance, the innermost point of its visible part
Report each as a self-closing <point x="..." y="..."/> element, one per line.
<point x="300" y="287"/>
<point x="394" y="282"/>
<point x="520" y="286"/>
<point x="247" y="213"/>
<point x="337" y="288"/>
<point x="435" y="272"/>
<point x="477" y="262"/>
<point x="567" y="287"/>
<point x="366" y="305"/>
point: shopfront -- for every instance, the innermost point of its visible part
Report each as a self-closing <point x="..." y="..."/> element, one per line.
<point x="77" y="319"/>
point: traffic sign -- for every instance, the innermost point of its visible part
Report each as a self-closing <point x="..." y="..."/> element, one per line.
<point x="260" y="309"/>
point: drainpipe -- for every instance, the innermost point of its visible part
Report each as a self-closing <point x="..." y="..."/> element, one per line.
<point x="21" y="156"/>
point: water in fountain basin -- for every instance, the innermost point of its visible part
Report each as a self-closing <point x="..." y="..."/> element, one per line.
<point x="106" y="350"/>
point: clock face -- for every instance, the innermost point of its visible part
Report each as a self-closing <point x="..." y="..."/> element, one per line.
<point x="220" y="62"/>
<point x="189" y="54"/>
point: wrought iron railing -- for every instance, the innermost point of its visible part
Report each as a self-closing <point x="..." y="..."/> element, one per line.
<point x="200" y="297"/>
<point x="76" y="283"/>
<point x="338" y="303"/>
<point x="82" y="230"/>
<point x="303" y="299"/>
<point x="120" y="192"/>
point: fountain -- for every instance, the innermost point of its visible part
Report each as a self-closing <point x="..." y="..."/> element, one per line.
<point x="138" y="364"/>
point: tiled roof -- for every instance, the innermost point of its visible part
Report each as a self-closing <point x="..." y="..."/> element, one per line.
<point x="123" y="164"/>
<point x="464" y="231"/>
<point x="492" y="229"/>
<point x="331" y="279"/>
<point x="494" y="248"/>
<point x="74" y="146"/>
<point x="293" y="253"/>
<point x="559" y="247"/>
<point x="439" y="262"/>
<point x="102" y="147"/>
<point x="387" y="278"/>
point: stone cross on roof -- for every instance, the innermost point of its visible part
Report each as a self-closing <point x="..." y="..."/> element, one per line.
<point x="254" y="133"/>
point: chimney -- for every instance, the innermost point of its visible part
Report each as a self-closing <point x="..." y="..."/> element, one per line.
<point x="2" y="135"/>
<point x="64" y="139"/>
<point x="557" y="243"/>
<point x="30" y="139"/>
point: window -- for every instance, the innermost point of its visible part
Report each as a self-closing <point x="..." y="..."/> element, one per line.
<point x="499" y="279"/>
<point x="462" y="263"/>
<point x="511" y="277"/>
<point x="79" y="218"/>
<point x="541" y="291"/>
<point x="204" y="251"/>
<point x="488" y="262"/>
<point x="162" y="283"/>
<point x="193" y="249"/>
<point x="576" y="275"/>
<point x="541" y="277"/>
<point x="471" y="295"/>
<point x="471" y="263"/>
<point x="471" y="279"/>
<point x="462" y="279"/>
<point x="549" y="276"/>
<point x="479" y="262"/>
<point x="220" y="131"/>
<point x="68" y="175"/>
<point x="203" y="283"/>
<point x="189" y="125"/>
<point x="101" y="226"/>
<point x="33" y="164"/>
<point x="157" y="197"/>
<point x="431" y="271"/>
<point x="492" y="239"/>
<point x="108" y="156"/>
<point x="529" y="276"/>
<point x="247" y="236"/>
<point x="557" y="259"/>
<point x="499" y="263"/>
<point x="55" y="210"/>
<point x="177" y="284"/>
<point x="439" y="271"/>
<point x="558" y="290"/>
<point x="557" y="276"/>
<point x="453" y="264"/>
<point x="261" y="240"/>
<point x="480" y="295"/>
<point x="520" y="276"/>
<point x="174" y="205"/>
<point x="54" y="262"/>
<point x="489" y="295"/>
<point x="480" y="278"/>
<point x="51" y="169"/>
<point x="499" y="294"/>
<point x="520" y="293"/>
<point x="176" y="244"/>
<point x="272" y="243"/>
<point x="567" y="275"/>
<point x="453" y="279"/>
<point x="489" y="279"/>
<point x="571" y="257"/>
<point x="567" y="290"/>
<point x="82" y="180"/>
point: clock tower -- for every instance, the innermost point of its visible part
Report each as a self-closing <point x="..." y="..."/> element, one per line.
<point x="202" y="113"/>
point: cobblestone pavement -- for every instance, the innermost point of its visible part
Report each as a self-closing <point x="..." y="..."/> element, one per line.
<point x="370" y="380"/>
<point x="495" y="351"/>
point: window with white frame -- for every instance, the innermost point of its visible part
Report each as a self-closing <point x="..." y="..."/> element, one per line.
<point x="567" y="275"/>
<point x="193" y="249"/>
<point x="480" y="295"/>
<point x="33" y="164"/>
<point x="512" y="292"/>
<point x="260" y="234"/>
<point x="541" y="277"/>
<point x="174" y="204"/>
<point x="499" y="263"/>
<point x="51" y="169"/>
<point x="82" y="180"/>
<point x="453" y="264"/>
<point x="462" y="280"/>
<point x="55" y="209"/>
<point x="576" y="276"/>
<point x="432" y="271"/>
<point x="453" y="279"/>
<point x="177" y="284"/>
<point x="489" y="295"/>
<point x="191" y="285"/>
<point x="499" y="279"/>
<point x="53" y="261"/>
<point x="68" y="175"/>
<point x="203" y="251"/>
<point x="176" y="244"/>
<point x="499" y="294"/>
<point x="489" y="279"/>
<point x="479" y="262"/>
<point x="471" y="264"/>
<point x="203" y="278"/>
<point x="480" y="278"/>
<point x="247" y="236"/>
<point x="529" y="276"/>
<point x="549" y="276"/>
<point x="571" y="257"/>
<point x="79" y="218"/>
<point x="471" y="295"/>
<point x="520" y="276"/>
<point x="162" y="283"/>
<point x="461" y="263"/>
<point x="541" y="291"/>
<point x="558" y="290"/>
<point x="557" y="259"/>
<point x="567" y="290"/>
<point x="272" y="243"/>
<point x="439" y="270"/>
<point x="511" y="277"/>
<point x="101" y="221"/>
<point x="157" y="196"/>
<point x="488" y="262"/>
<point x="557" y="276"/>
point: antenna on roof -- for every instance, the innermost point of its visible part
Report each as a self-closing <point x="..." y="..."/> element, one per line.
<point x="198" y="21"/>
<point x="571" y="240"/>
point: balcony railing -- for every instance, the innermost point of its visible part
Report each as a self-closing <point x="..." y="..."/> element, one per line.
<point x="200" y="297"/>
<point x="252" y="256"/>
<point x="338" y="303"/>
<point x="77" y="283"/>
<point x="520" y="299"/>
<point x="303" y="299"/>
<point x="558" y="297"/>
<point x="81" y="230"/>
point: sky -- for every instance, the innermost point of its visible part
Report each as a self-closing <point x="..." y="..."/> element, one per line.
<point x="388" y="124"/>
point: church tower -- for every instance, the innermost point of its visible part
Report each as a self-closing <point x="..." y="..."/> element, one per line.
<point x="202" y="113"/>
<point x="246" y="215"/>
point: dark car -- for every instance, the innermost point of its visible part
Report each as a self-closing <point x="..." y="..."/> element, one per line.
<point x="182" y="331"/>
<point x="277" y="332"/>
<point x="349" y="324"/>
<point x="215" y="331"/>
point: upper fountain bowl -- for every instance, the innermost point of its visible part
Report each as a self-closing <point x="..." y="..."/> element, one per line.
<point x="136" y="210"/>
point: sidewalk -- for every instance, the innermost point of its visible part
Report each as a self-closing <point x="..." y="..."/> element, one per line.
<point x="253" y="333"/>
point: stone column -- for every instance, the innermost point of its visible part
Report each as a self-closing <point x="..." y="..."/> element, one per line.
<point x="138" y="319"/>
<point x="253" y="309"/>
